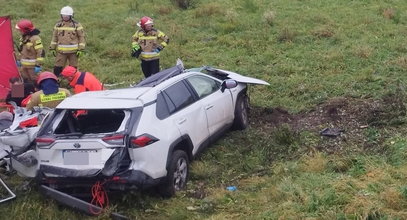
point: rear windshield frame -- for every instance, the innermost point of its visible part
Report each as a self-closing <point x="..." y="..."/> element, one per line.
<point x="51" y="126"/>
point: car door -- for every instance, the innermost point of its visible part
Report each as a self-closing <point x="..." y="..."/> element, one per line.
<point x="186" y="113"/>
<point x="218" y="105"/>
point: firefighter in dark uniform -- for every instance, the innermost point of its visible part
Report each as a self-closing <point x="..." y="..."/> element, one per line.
<point x="68" y="41"/>
<point x="147" y="44"/>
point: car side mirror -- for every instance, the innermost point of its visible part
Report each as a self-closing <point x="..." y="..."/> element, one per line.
<point x="228" y="84"/>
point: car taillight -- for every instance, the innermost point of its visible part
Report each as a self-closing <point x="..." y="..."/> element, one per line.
<point x="44" y="142"/>
<point x="114" y="140"/>
<point x="142" y="141"/>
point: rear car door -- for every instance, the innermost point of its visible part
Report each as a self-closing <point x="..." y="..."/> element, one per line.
<point x="187" y="114"/>
<point x="218" y="105"/>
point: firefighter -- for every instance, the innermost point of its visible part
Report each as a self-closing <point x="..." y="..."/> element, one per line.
<point x="49" y="95"/>
<point x="81" y="81"/>
<point x="147" y="44"/>
<point x="68" y="41"/>
<point x="31" y="51"/>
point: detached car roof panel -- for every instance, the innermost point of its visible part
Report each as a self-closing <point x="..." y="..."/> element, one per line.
<point x="107" y="99"/>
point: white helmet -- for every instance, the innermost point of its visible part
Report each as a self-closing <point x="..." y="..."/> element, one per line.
<point x="67" y="10"/>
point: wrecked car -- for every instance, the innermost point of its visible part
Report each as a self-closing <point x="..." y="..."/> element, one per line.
<point x="141" y="136"/>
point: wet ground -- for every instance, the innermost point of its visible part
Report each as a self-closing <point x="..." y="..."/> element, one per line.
<point x="340" y="121"/>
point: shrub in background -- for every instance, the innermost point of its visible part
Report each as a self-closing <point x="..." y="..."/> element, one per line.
<point x="184" y="4"/>
<point x="269" y="17"/>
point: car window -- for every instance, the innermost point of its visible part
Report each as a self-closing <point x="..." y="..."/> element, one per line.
<point x="164" y="106"/>
<point x="203" y="85"/>
<point x="173" y="99"/>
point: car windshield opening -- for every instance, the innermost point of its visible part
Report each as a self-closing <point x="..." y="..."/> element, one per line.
<point x="93" y="121"/>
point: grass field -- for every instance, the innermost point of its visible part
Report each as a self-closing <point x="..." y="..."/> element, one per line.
<point x="330" y="64"/>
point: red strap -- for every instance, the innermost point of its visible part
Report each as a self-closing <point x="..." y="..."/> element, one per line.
<point x="32" y="122"/>
<point x="24" y="102"/>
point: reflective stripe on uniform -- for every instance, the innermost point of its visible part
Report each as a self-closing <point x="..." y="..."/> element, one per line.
<point x="52" y="97"/>
<point x="161" y="34"/>
<point x="39" y="46"/>
<point x="68" y="28"/>
<point x="148" y="37"/>
<point x="68" y="47"/>
<point x="28" y="62"/>
<point x="164" y="44"/>
<point x="38" y="43"/>
<point x="40" y="59"/>
<point x="65" y="28"/>
<point x="81" y="44"/>
<point x="149" y="54"/>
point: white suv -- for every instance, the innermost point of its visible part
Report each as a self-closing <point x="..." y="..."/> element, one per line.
<point x="141" y="136"/>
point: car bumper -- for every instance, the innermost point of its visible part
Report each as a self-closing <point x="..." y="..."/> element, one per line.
<point x="131" y="179"/>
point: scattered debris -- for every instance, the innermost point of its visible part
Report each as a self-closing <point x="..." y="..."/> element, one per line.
<point x="231" y="188"/>
<point x="331" y="132"/>
<point x="191" y="208"/>
<point x="347" y="113"/>
<point x="10" y="195"/>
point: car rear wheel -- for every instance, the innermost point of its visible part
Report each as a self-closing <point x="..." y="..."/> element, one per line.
<point x="177" y="176"/>
<point x="241" y="113"/>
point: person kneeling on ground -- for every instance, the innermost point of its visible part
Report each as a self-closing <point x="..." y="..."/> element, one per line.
<point x="49" y="95"/>
<point x="81" y="81"/>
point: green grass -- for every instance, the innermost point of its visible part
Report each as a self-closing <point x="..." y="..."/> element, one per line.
<point x="309" y="51"/>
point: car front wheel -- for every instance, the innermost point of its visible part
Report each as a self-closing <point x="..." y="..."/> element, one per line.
<point x="177" y="176"/>
<point x="241" y="113"/>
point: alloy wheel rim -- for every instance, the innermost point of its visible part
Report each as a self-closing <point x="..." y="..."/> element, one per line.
<point x="180" y="174"/>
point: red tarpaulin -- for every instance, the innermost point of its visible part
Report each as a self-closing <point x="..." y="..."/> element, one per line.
<point x="8" y="67"/>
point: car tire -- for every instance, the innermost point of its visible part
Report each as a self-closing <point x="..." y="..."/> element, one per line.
<point x="241" y="113"/>
<point x="177" y="176"/>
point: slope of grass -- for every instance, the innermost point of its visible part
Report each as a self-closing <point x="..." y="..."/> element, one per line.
<point x="309" y="51"/>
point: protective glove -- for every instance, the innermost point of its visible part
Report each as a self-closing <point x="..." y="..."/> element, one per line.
<point x="135" y="52"/>
<point x="53" y="52"/>
<point x="18" y="63"/>
<point x="80" y="53"/>
<point x="37" y="69"/>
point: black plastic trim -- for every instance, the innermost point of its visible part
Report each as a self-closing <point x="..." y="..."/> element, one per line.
<point x="175" y="143"/>
<point x="74" y="202"/>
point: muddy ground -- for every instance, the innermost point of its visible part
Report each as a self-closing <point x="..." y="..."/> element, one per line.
<point x="347" y="122"/>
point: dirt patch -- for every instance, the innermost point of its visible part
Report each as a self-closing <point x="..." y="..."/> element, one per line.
<point x="351" y="118"/>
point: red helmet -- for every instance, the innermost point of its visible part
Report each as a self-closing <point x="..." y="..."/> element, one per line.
<point x="46" y="75"/>
<point x="69" y="71"/>
<point x="145" y="20"/>
<point x="25" y="26"/>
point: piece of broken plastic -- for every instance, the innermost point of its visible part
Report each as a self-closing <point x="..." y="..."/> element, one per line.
<point x="10" y="193"/>
<point x="231" y="188"/>
<point x="331" y="132"/>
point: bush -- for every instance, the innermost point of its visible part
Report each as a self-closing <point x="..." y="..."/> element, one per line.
<point x="286" y="35"/>
<point x="208" y="10"/>
<point x="184" y="4"/>
<point x="269" y="17"/>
